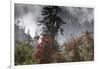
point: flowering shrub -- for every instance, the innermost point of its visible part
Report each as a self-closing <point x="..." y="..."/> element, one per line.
<point x="44" y="48"/>
<point x="80" y="48"/>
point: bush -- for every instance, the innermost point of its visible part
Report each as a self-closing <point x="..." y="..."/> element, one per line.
<point x="82" y="46"/>
<point x="23" y="54"/>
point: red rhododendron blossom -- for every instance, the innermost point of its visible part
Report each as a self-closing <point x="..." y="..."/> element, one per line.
<point x="45" y="40"/>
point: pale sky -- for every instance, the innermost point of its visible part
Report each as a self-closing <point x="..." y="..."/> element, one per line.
<point x="77" y="19"/>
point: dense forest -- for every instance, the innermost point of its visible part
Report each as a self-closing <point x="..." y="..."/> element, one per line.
<point x="47" y="49"/>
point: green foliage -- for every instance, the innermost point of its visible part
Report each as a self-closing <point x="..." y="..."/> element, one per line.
<point x="23" y="54"/>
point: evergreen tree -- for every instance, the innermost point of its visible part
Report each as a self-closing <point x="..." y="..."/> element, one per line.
<point x="51" y="20"/>
<point x="51" y="23"/>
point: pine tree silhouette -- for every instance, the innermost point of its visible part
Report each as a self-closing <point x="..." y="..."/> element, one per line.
<point x="52" y="23"/>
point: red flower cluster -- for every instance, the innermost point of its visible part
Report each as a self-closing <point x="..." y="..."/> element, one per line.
<point x="45" y="40"/>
